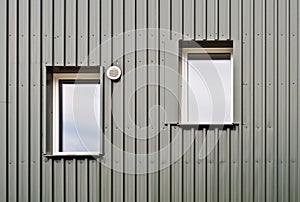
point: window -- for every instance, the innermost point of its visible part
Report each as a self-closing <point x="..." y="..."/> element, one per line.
<point x="75" y="113"/>
<point x="207" y="86"/>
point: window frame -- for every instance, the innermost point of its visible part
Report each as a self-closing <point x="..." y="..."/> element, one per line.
<point x="56" y="113"/>
<point x="184" y="82"/>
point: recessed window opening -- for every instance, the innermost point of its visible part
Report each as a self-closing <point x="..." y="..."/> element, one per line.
<point x="76" y="113"/>
<point x="207" y="86"/>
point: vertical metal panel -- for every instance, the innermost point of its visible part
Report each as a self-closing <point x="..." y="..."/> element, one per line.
<point x="82" y="180"/>
<point x="23" y="99"/>
<point x="293" y="74"/>
<point x="12" y="99"/>
<point x="153" y="100"/>
<point x="70" y="32"/>
<point x="271" y="175"/>
<point x="235" y="164"/>
<point x="235" y="134"/>
<point x="248" y="144"/>
<point x="141" y="100"/>
<point x="176" y="139"/>
<point x="224" y="19"/>
<point x="188" y="19"/>
<point x="117" y="103"/>
<point x="171" y="26"/>
<point x="224" y="165"/>
<point x="35" y="146"/>
<point x="164" y="137"/>
<point x="130" y="100"/>
<point x="94" y="182"/>
<point x="106" y="174"/>
<point x="259" y="101"/>
<point x="212" y="148"/>
<point x="200" y="165"/>
<point x="47" y="55"/>
<point x="94" y="32"/>
<point x="283" y="97"/>
<point x="211" y="19"/>
<point x="188" y="164"/>
<point x="200" y="19"/>
<point x="3" y="100"/>
<point x="177" y="161"/>
<point x="82" y="32"/>
<point x="70" y="180"/>
<point x="59" y="31"/>
<point x="58" y="180"/>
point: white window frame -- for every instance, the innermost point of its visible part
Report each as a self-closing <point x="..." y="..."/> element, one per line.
<point x="184" y="82"/>
<point x="55" y="117"/>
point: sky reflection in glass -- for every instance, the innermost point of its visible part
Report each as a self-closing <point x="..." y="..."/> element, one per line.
<point x="80" y="117"/>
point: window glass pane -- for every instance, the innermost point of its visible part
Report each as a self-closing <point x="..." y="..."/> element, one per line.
<point x="80" y="131"/>
<point x="209" y="90"/>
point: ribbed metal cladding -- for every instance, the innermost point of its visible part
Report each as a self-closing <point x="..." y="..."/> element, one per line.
<point x="256" y="160"/>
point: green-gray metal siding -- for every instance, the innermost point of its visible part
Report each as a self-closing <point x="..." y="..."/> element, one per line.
<point x="256" y="160"/>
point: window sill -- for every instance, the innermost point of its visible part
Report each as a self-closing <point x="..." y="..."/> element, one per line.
<point x="206" y="123"/>
<point x="70" y="155"/>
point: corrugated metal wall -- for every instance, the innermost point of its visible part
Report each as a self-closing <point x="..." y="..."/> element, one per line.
<point x="257" y="160"/>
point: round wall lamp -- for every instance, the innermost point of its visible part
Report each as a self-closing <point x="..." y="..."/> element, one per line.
<point x="113" y="72"/>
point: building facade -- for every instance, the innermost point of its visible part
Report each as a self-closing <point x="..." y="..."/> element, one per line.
<point x="147" y="155"/>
